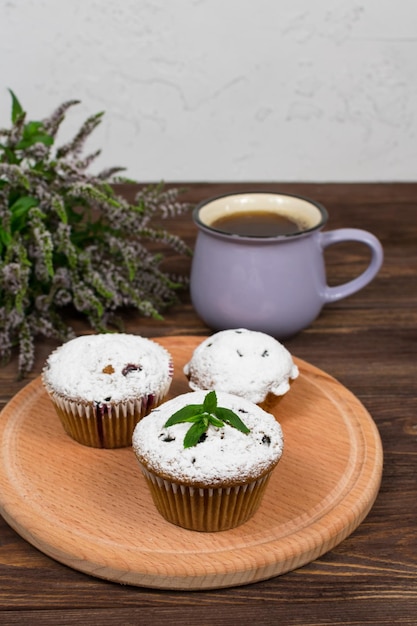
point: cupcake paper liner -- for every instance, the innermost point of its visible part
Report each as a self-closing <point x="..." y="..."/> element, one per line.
<point x="205" y="509"/>
<point x="103" y="425"/>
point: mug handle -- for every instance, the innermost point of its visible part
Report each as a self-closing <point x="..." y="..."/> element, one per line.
<point x="328" y="238"/>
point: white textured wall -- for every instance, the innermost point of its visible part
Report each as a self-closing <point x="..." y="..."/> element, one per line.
<point x="318" y="90"/>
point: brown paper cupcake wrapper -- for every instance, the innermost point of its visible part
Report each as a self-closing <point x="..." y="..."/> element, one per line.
<point x="205" y="509"/>
<point x="103" y="425"/>
<point x="270" y="403"/>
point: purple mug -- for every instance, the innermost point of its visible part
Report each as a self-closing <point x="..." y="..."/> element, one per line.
<point x="272" y="283"/>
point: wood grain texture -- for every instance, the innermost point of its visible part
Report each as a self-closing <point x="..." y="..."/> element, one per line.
<point x="369" y="343"/>
<point x="91" y="509"/>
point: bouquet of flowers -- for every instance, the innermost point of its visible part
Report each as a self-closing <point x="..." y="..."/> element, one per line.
<point x="68" y="239"/>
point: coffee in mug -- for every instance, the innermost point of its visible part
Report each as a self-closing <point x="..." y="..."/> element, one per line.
<point x="258" y="262"/>
<point x="258" y="224"/>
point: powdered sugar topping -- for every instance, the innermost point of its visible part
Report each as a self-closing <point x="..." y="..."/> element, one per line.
<point x="247" y="363"/>
<point x="225" y="455"/>
<point x="108" y="367"/>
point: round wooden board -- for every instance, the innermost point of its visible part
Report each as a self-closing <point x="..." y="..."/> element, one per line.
<point x="90" y="508"/>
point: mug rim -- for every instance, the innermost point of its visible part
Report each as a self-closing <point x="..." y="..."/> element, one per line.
<point x="196" y="216"/>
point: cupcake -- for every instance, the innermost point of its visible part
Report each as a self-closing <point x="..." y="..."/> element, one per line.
<point x="243" y="362"/>
<point x="207" y="458"/>
<point x="102" y="385"/>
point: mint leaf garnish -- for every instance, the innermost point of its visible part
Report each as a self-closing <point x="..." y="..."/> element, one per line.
<point x="194" y="434"/>
<point x="210" y="402"/>
<point x="231" y="418"/>
<point x="185" y="414"/>
<point x="201" y="416"/>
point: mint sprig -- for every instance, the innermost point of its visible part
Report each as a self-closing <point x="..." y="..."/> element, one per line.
<point x="201" y="416"/>
<point x="68" y="238"/>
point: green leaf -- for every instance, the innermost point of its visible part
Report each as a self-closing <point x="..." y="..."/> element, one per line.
<point x="210" y="402"/>
<point x="32" y="128"/>
<point x="17" y="109"/>
<point x="183" y="415"/>
<point x="5" y="238"/>
<point x="232" y="419"/>
<point x="193" y="434"/>
<point x="33" y="133"/>
<point x="11" y="158"/>
<point x="23" y="204"/>
<point x="19" y="210"/>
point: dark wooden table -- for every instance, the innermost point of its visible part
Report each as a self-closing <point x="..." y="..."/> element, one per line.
<point x="369" y="343"/>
